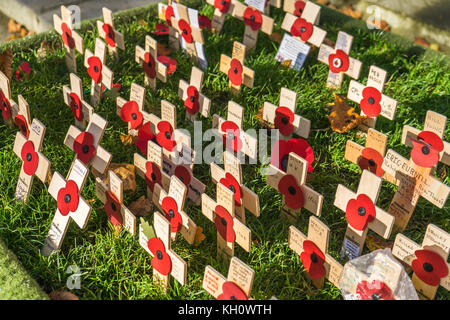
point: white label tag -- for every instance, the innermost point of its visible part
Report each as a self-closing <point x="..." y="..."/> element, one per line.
<point x="257" y="4"/>
<point x="294" y="50"/>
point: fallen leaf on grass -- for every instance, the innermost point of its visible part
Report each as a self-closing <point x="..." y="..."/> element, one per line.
<point x="343" y="117"/>
<point x="349" y="11"/>
<point x="143" y="23"/>
<point x="375" y="243"/>
<point x="199" y="236"/>
<point x="379" y="24"/>
<point x="163" y="49"/>
<point x="46" y="49"/>
<point x="62" y="295"/>
<point x="276" y="37"/>
<point x="286" y="63"/>
<point x="127" y="139"/>
<point x="141" y="207"/>
<point x="255" y="242"/>
<point x="442" y="173"/>
<point x="5" y="63"/>
<point x="125" y="171"/>
<point x="422" y="42"/>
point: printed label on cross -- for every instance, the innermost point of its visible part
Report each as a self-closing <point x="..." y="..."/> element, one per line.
<point x="155" y="239"/>
<point x="312" y="250"/>
<point x="8" y="107"/>
<point x="70" y="205"/>
<point x="221" y="9"/>
<point x="73" y="97"/>
<point x="339" y="61"/>
<point x="194" y="101"/>
<point x="148" y="58"/>
<point x="106" y="31"/>
<point x="428" y="261"/>
<point x="86" y="144"/>
<point x="237" y="286"/>
<point x="71" y="39"/>
<point x="362" y="214"/>
<point x="34" y="163"/>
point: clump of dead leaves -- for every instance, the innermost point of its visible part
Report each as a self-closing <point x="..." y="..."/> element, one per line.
<point x="342" y="117"/>
<point x="17" y="30"/>
<point x="125" y="171"/>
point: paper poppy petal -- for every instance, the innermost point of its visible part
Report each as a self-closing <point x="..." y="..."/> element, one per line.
<point x="284" y="117"/>
<point x="5" y="106"/>
<point x="66" y="35"/>
<point x="231" y="183"/>
<point x="371" y="160"/>
<point x="430" y="267"/>
<point x="113" y="209"/>
<point x="293" y="194"/>
<point x="152" y="175"/>
<point x="370" y="103"/>
<point x="182" y="173"/>
<point x="222" y="5"/>
<point x="338" y="62"/>
<point x="161" y="261"/>
<point x="299" y="7"/>
<point x="130" y="113"/>
<point x="171" y="64"/>
<point x="204" y="22"/>
<point x="252" y="18"/>
<point x="161" y="29"/>
<point x="185" y="30"/>
<point x="224" y="224"/>
<point x="30" y="158"/>
<point x="360" y="211"/>
<point x="164" y="136"/>
<point x="235" y="72"/>
<point x="109" y="34"/>
<point x="230" y="291"/>
<point x="149" y="65"/>
<point x="144" y="136"/>
<point x="191" y="103"/>
<point x="95" y="69"/>
<point x="170" y="208"/>
<point x="21" y="122"/>
<point x="83" y="146"/>
<point x="76" y="106"/>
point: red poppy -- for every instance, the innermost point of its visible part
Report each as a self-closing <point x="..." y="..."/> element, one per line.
<point x="152" y="175"/>
<point x="186" y="31"/>
<point x="161" y="29"/>
<point x="338" y="61"/>
<point x="76" y="106"/>
<point x="281" y="150"/>
<point x="149" y="65"/>
<point x="224" y="224"/>
<point x="144" y="136"/>
<point x="191" y="103"/>
<point x="164" y="136"/>
<point x="130" y="113"/>
<point x="24" y="70"/>
<point x="68" y="198"/>
<point x="293" y="194"/>
<point x="112" y="209"/>
<point x="235" y="72"/>
<point x="161" y="261"/>
<point x="230" y="291"/>
<point x="66" y="35"/>
<point x="169" y="14"/>
<point x="360" y="211"/>
<point x="84" y="147"/>
<point x="204" y="22"/>
<point x="429" y="266"/>
<point x="375" y="290"/>
<point x="302" y="28"/>
<point x="109" y="34"/>
<point x="231" y="183"/>
<point x="222" y="5"/>
<point x="22" y="124"/>
<point x="313" y="259"/>
<point x="426" y="148"/>
<point x="371" y="160"/>
<point x="284" y="117"/>
<point x="30" y="158"/>
<point x="170" y="208"/>
<point x="6" y="107"/>
<point x="299" y="7"/>
<point x="252" y="18"/>
<point x="95" y="69"/>
<point x="170" y="63"/>
<point x="182" y="173"/>
<point x="370" y="103"/>
<point x="231" y="133"/>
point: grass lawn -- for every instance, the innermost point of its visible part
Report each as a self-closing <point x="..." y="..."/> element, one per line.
<point x="118" y="268"/>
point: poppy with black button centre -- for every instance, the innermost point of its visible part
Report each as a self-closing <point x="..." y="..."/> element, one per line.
<point x="29" y="157"/>
<point x="224" y="224"/>
<point x="235" y="72"/>
<point x="302" y="28"/>
<point x="222" y="5"/>
<point x="284" y="117"/>
<point x="130" y="113"/>
<point x="281" y="149"/>
<point x="192" y="103"/>
<point x="113" y="209"/>
<point x="171" y="64"/>
<point x="426" y="149"/>
<point x="182" y="173"/>
<point x="186" y="32"/>
<point x="75" y="106"/>
<point x="231" y="291"/>
<point x="231" y="136"/>
<point x="6" y="108"/>
<point x="145" y="134"/>
<point x="252" y="18"/>
<point x="95" y="69"/>
<point x="375" y="290"/>
<point x="169" y="14"/>
<point x="299" y="7"/>
<point x="83" y="146"/>
<point x="149" y="65"/>
<point x="170" y="209"/>
<point x="164" y="135"/>
<point x="371" y="160"/>
<point x="68" y="198"/>
<point x="161" y="261"/>
<point x="360" y="212"/>
<point x="293" y="194"/>
<point x="66" y="35"/>
<point x="21" y="122"/>
<point x="109" y="34"/>
<point x="338" y="62"/>
<point x="429" y="267"/>
<point x="232" y="184"/>
<point x="371" y="102"/>
<point x="313" y="259"/>
<point x="152" y="175"/>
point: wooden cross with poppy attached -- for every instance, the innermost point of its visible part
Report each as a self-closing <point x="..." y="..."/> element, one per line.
<point x="338" y="60"/>
<point x="86" y="144"/>
<point x="236" y="286"/>
<point x="415" y="175"/>
<point x="111" y="194"/>
<point x="284" y="118"/>
<point x="155" y="239"/>
<point x="238" y="74"/>
<point x="166" y="12"/>
<point x="428" y="261"/>
<point x="7" y="105"/>
<point x="97" y="70"/>
<point x="71" y="39"/>
<point x="106" y="31"/>
<point x="73" y="97"/>
<point x="312" y="250"/>
<point x="370" y="98"/>
<point x="362" y="213"/>
<point x="194" y="101"/>
<point x="23" y="119"/>
<point x="148" y="58"/>
<point x="165" y="127"/>
<point x="70" y="205"/>
<point x="221" y="9"/>
<point x="296" y="7"/>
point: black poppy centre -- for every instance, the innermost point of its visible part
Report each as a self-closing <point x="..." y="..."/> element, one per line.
<point x="284" y="162"/>
<point x="427" y="267"/>
<point x="372" y="162"/>
<point x="153" y="176"/>
<point x="95" y="68"/>
<point x="75" y="105"/>
<point x="113" y="206"/>
<point x="224" y="222"/>
<point x="291" y="190"/>
<point x="361" y="211"/>
<point x="134" y="116"/>
<point x="425" y="150"/>
<point x="232" y="189"/>
<point x="371" y="100"/>
<point x="313" y="257"/>
<point x="167" y="134"/>
<point x="285" y="120"/>
<point x="29" y="157"/>
<point x="67" y="198"/>
<point x="24" y="128"/>
<point x="85" y="148"/>
<point x="171" y="213"/>
<point x="302" y="29"/>
<point x="159" y="255"/>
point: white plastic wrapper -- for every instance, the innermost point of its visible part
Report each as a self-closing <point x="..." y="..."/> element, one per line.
<point x="376" y="276"/>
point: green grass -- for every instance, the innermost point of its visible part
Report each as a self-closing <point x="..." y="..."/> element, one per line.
<point x="118" y="268"/>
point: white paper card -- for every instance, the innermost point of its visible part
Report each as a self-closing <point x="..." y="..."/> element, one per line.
<point x="257" y="4"/>
<point x="294" y="50"/>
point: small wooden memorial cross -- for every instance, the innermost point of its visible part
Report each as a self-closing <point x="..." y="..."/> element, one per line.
<point x="97" y="70"/>
<point x="106" y="31"/>
<point x="428" y="261"/>
<point x="34" y="163"/>
<point x="371" y="98"/>
<point x="284" y="118"/>
<point x="73" y="97"/>
<point x="221" y="9"/>
<point x="23" y="119"/>
<point x="194" y="101"/>
<point x="295" y="7"/>
<point x="148" y="58"/>
<point x="339" y="61"/>
<point x="362" y="214"/>
<point x="132" y="111"/>
<point x="155" y="239"/>
<point x="312" y="250"/>
<point x="238" y="74"/>
<point x="165" y="127"/>
<point x="237" y="286"/>
<point x="71" y="39"/>
<point x="70" y="205"/>
<point x="86" y="144"/>
<point x="7" y="106"/>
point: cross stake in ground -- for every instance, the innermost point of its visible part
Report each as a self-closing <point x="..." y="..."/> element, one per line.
<point x="70" y="205"/>
<point x="362" y="214"/>
<point x="148" y="58"/>
<point x="238" y="74"/>
<point x="7" y="105"/>
<point x="106" y="31"/>
<point x="221" y="9"/>
<point x="194" y="101"/>
<point x="73" y="97"/>
<point x="428" y="261"/>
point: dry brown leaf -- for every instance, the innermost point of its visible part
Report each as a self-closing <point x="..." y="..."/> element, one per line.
<point x="422" y="42"/>
<point x="62" y="295"/>
<point x="127" y="139"/>
<point x="199" y="236"/>
<point x="143" y="23"/>
<point x="141" y="207"/>
<point x="125" y="171"/>
<point x="276" y="36"/>
<point x="442" y="173"/>
<point x="286" y="63"/>
<point x="255" y="242"/>
<point x="5" y="63"/>
<point x="380" y="24"/>
<point x="163" y="49"/>
<point x="349" y="11"/>
<point x="13" y="26"/>
<point x="375" y="243"/>
<point x="343" y="117"/>
<point x="117" y="230"/>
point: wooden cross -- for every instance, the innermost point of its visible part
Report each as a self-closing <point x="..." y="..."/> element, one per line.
<point x="371" y="98"/>
<point x="23" y="119"/>
<point x="148" y="58"/>
<point x="221" y="9"/>
<point x="111" y="194"/>
<point x="106" y="31"/>
<point x="86" y="144"/>
<point x="194" y="101"/>
<point x="71" y="39"/>
<point x="339" y="61"/>
<point x="284" y="118"/>
<point x="166" y="12"/>
<point x="312" y="250"/>
<point x="73" y="97"/>
<point x="70" y="205"/>
<point x="428" y="261"/>
<point x="238" y="74"/>
<point x="7" y="105"/>
<point x="97" y="70"/>
<point x="362" y="214"/>
<point x="295" y="7"/>
<point x="132" y="111"/>
<point x="34" y="163"/>
<point x="236" y="286"/>
<point x="155" y="239"/>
